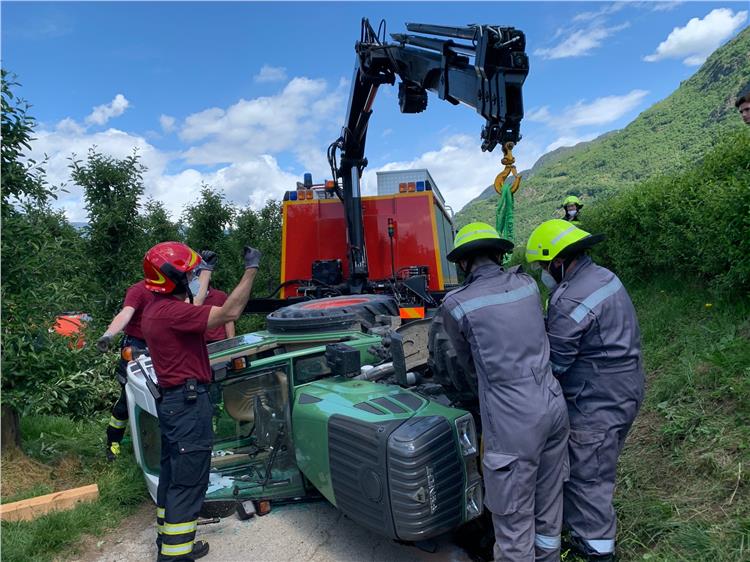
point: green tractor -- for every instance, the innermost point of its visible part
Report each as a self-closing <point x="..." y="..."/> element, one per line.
<point x="315" y="406"/>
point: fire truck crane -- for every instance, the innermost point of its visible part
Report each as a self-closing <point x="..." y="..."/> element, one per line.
<point x="480" y="66"/>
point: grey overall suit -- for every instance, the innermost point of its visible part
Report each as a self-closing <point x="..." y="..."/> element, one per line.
<point x="595" y="351"/>
<point x="495" y="322"/>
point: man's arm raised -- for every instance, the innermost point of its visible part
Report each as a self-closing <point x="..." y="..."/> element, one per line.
<point x="237" y="300"/>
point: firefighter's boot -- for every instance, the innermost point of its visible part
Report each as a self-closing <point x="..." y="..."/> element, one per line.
<point x="113" y="451"/>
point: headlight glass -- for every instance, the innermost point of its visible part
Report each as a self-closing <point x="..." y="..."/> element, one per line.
<point x="474" y="499"/>
<point x="467" y="435"/>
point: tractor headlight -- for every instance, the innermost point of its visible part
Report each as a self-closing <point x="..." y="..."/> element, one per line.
<point x="467" y="435"/>
<point x="474" y="500"/>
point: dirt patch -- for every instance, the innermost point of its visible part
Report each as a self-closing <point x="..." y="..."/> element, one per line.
<point x="20" y="473"/>
<point x="95" y="547"/>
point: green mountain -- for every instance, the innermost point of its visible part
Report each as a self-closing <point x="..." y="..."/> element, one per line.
<point x="672" y="134"/>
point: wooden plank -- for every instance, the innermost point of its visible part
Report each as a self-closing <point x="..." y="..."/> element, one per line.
<point x="26" y="510"/>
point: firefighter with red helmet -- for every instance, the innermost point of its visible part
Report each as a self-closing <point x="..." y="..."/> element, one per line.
<point x="128" y="320"/>
<point x="175" y="332"/>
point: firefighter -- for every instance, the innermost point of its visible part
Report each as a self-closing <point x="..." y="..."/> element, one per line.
<point x="595" y="351"/>
<point x="214" y="297"/>
<point x="175" y="333"/>
<point x="743" y="104"/>
<point x="128" y="320"/>
<point x="572" y="206"/>
<point x="496" y="325"/>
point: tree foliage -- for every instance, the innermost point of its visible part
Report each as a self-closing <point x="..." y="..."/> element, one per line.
<point x="22" y="179"/>
<point x="158" y="225"/>
<point x="112" y="191"/>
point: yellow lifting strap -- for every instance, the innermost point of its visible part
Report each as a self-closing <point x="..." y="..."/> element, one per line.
<point x="510" y="168"/>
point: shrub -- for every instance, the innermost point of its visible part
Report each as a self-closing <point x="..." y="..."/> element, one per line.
<point x="693" y="223"/>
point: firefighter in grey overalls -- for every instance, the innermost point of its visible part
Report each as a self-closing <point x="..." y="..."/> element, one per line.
<point x="595" y="351"/>
<point x="495" y="323"/>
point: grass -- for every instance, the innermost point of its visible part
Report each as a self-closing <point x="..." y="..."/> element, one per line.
<point x="66" y="454"/>
<point x="683" y="477"/>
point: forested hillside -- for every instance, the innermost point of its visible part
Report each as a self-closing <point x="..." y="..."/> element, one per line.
<point x="669" y="136"/>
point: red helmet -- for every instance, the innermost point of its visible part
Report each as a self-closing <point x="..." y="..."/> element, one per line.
<point x="166" y="266"/>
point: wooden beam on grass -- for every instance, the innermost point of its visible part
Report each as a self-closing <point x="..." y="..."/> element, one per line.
<point x="26" y="510"/>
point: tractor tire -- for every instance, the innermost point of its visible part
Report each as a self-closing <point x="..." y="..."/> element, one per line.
<point x="332" y="314"/>
<point x="460" y="384"/>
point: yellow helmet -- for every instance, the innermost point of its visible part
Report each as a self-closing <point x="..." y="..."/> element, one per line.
<point x="552" y="237"/>
<point x="476" y="237"/>
<point x="572" y="200"/>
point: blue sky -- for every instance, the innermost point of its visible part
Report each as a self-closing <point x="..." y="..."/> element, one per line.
<point x="247" y="96"/>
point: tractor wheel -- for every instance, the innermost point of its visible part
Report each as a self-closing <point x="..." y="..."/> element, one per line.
<point x="460" y="385"/>
<point x="331" y="314"/>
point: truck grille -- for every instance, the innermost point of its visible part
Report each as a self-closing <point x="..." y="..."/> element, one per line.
<point x="425" y="478"/>
<point x="357" y="458"/>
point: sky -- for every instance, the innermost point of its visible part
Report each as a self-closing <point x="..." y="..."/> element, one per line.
<point x="247" y="96"/>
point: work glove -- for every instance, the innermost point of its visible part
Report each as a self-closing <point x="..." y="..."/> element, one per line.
<point x="103" y="343"/>
<point x="210" y="259"/>
<point x="252" y="257"/>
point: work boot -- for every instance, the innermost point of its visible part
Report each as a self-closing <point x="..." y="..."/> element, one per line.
<point x="200" y="549"/>
<point x="113" y="451"/>
<point x="582" y="550"/>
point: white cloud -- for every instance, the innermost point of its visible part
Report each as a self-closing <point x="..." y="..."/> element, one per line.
<point x="167" y="123"/>
<point x="570" y="141"/>
<point x="600" y="111"/>
<point x="664" y="6"/>
<point x="580" y="42"/>
<point x="699" y="37"/>
<point x="291" y="120"/>
<point x="539" y="114"/>
<point x="103" y="113"/>
<point x="601" y="12"/>
<point x="69" y="126"/>
<point x="252" y="180"/>
<point x="270" y="73"/>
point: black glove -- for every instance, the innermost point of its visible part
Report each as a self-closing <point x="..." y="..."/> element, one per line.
<point x="103" y="343"/>
<point x="252" y="257"/>
<point x="210" y="259"/>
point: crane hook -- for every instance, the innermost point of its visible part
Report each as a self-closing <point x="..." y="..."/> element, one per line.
<point x="510" y="168"/>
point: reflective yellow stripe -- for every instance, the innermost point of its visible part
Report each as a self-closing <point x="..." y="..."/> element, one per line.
<point x="176" y="549"/>
<point x="159" y="529"/>
<point x="160" y="512"/>
<point x="180" y="528"/>
<point x="117" y="424"/>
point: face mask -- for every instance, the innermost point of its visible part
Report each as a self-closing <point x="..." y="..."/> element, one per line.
<point x="548" y="280"/>
<point x="572" y="213"/>
<point x="194" y="285"/>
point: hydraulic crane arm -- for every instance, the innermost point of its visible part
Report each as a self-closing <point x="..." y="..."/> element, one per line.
<point x="486" y="72"/>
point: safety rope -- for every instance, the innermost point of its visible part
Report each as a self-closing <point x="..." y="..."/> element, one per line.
<point x="504" y="213"/>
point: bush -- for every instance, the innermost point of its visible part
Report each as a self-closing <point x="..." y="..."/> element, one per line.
<point x="695" y="223"/>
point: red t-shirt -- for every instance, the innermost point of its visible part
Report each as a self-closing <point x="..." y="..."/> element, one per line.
<point x="137" y="296"/>
<point x="215" y="297"/>
<point x="176" y="337"/>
